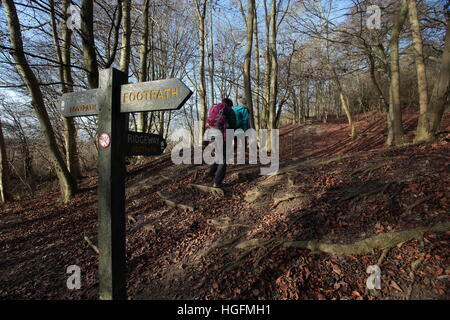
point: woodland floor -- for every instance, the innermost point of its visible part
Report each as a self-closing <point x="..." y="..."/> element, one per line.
<point x="254" y="243"/>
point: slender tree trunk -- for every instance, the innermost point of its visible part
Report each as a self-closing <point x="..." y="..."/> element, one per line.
<point x="395" y="127"/>
<point x="143" y="62"/>
<point x="87" y="34"/>
<point x="125" y="50"/>
<point x="267" y="71"/>
<point x="273" y="72"/>
<point x="211" y="55"/>
<point x="66" y="181"/>
<point x="441" y="91"/>
<point x="423" y="128"/>
<point x="63" y="54"/>
<point x="257" y="73"/>
<point x="249" y="21"/>
<point x="201" y="13"/>
<point x="344" y="101"/>
<point x="4" y="170"/>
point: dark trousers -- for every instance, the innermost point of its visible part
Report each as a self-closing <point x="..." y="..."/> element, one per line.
<point x="217" y="171"/>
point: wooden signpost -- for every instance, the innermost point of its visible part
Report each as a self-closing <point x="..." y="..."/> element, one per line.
<point x="111" y="102"/>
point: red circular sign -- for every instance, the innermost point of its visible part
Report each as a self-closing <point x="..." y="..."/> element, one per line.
<point x="104" y="140"/>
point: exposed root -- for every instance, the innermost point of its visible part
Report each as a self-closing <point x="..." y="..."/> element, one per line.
<point x="371" y="167"/>
<point x="227" y="244"/>
<point x="214" y="191"/>
<point x="414" y="266"/>
<point x="358" y="194"/>
<point x="385" y="240"/>
<point x="415" y="204"/>
<point x="286" y="197"/>
<point x="383" y="255"/>
<point x="255" y="194"/>
<point x="174" y="204"/>
<point x="292" y="177"/>
<point x="93" y="246"/>
<point x="237" y="262"/>
<point x="224" y="223"/>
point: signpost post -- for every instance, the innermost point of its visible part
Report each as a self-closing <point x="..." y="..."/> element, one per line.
<point x="111" y="102"/>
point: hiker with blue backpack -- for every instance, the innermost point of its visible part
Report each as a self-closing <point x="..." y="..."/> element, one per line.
<point x="222" y="117"/>
<point x="242" y="120"/>
<point x="242" y="116"/>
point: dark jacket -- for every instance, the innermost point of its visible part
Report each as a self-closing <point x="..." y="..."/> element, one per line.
<point x="231" y="118"/>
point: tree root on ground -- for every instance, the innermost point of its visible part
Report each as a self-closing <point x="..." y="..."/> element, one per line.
<point x="237" y="262"/>
<point x="385" y="240"/>
<point x="357" y="194"/>
<point x="214" y="191"/>
<point x="377" y="165"/>
<point x="415" y="204"/>
<point x="224" y="223"/>
<point x="286" y="197"/>
<point x="93" y="246"/>
<point x="414" y="266"/>
<point x="174" y="204"/>
<point x="219" y="245"/>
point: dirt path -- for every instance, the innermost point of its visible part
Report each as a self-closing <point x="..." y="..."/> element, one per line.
<point x="246" y="244"/>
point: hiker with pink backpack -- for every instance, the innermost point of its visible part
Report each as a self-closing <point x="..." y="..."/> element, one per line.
<point x="221" y="116"/>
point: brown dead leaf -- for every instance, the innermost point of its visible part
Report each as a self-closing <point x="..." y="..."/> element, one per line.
<point x="337" y="270"/>
<point x="356" y="293"/>
<point x="394" y="285"/>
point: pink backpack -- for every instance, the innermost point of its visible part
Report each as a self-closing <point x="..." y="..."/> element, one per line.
<point x="216" y="116"/>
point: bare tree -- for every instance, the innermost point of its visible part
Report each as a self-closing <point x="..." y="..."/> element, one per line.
<point x="441" y="91"/>
<point x="200" y="6"/>
<point x="64" y="57"/>
<point x="87" y="35"/>
<point x="249" y="25"/>
<point x="143" y="61"/>
<point x="394" y="117"/>
<point x="66" y="181"/>
<point x="422" y="81"/>
<point x="4" y="169"/>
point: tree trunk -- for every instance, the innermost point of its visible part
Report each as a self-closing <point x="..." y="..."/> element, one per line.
<point x="439" y="97"/>
<point x="257" y="72"/>
<point x="87" y="34"/>
<point x="4" y="170"/>
<point x="125" y="50"/>
<point x="63" y="54"/>
<point x="394" y="116"/>
<point x="273" y="73"/>
<point x="267" y="71"/>
<point x="66" y="181"/>
<point x="423" y="128"/>
<point x="143" y="63"/>
<point x="343" y="100"/>
<point x="201" y="12"/>
<point x="441" y="91"/>
<point x="249" y="20"/>
<point x="211" y="54"/>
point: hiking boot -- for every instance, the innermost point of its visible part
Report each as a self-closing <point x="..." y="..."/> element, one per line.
<point x="217" y="185"/>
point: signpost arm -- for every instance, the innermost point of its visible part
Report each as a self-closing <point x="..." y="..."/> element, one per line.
<point x="111" y="186"/>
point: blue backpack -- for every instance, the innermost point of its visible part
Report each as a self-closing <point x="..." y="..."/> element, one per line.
<point x="242" y="121"/>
